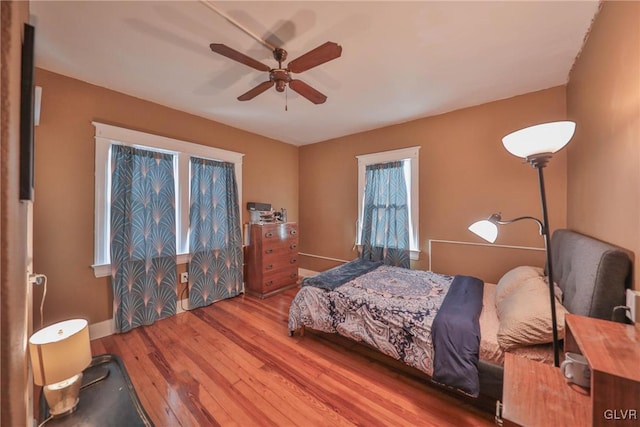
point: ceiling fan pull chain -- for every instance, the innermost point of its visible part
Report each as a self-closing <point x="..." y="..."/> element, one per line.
<point x="286" y="98"/>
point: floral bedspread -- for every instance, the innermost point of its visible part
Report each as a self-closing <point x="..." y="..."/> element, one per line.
<point x="390" y="308"/>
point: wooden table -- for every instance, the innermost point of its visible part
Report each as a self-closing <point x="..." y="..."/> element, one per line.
<point x="613" y="353"/>
<point x="535" y="394"/>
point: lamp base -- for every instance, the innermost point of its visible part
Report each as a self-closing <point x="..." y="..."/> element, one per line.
<point x="62" y="397"/>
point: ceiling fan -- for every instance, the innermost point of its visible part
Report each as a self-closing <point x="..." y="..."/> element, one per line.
<point x="281" y="77"/>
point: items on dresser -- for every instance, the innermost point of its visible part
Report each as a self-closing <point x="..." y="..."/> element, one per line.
<point x="272" y="258"/>
<point x="260" y="217"/>
<point x="281" y="215"/>
<point x="260" y="212"/>
<point x="257" y="206"/>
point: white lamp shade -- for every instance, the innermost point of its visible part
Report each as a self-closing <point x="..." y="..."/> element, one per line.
<point x="60" y="351"/>
<point x="542" y="138"/>
<point x="485" y="229"/>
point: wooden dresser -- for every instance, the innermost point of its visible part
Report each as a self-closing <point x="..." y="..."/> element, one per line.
<point x="535" y="394"/>
<point x="272" y="258"/>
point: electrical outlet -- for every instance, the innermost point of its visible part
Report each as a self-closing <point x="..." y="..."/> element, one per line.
<point x="633" y="302"/>
<point x="184" y="277"/>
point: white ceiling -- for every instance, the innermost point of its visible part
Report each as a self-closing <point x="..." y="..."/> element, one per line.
<point x="400" y="60"/>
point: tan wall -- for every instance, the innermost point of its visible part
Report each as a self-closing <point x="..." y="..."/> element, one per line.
<point x="64" y="184"/>
<point x="465" y="175"/>
<point x="15" y="296"/>
<point x="603" y="97"/>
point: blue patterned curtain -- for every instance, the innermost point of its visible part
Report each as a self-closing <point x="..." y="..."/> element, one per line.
<point x="143" y="237"/>
<point x="385" y="228"/>
<point x="215" y="239"/>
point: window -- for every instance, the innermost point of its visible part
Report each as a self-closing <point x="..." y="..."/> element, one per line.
<point x="409" y="157"/>
<point x="105" y="137"/>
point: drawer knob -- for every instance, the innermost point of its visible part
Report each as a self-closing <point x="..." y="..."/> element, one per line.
<point x="268" y="251"/>
<point x="293" y="260"/>
<point x="269" y="283"/>
<point x="294" y="231"/>
<point x="269" y="267"/>
<point x="293" y="246"/>
<point x="294" y="275"/>
<point x="269" y="234"/>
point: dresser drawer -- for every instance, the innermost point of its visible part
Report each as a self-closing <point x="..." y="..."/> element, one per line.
<point x="280" y="248"/>
<point x="278" y="262"/>
<point x="278" y="232"/>
<point x="277" y="279"/>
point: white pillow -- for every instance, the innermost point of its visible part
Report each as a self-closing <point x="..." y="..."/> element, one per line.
<point x="514" y="278"/>
<point x="525" y="315"/>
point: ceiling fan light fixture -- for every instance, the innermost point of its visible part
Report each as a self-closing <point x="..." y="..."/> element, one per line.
<point x="281" y="77"/>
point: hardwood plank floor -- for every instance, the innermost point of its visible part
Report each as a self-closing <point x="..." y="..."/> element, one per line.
<point x="233" y="364"/>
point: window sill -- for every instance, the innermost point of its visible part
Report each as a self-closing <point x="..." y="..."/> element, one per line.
<point x="104" y="270"/>
<point x="414" y="254"/>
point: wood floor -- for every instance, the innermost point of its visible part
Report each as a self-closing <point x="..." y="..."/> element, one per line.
<point x="233" y="364"/>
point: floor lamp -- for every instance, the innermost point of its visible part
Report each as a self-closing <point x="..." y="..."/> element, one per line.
<point x="536" y="144"/>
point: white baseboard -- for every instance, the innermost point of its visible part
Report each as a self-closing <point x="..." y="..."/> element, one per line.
<point x="303" y="272"/>
<point x="101" y="329"/>
<point x="105" y="328"/>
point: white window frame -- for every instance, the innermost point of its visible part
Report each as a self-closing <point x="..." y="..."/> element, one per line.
<point x="108" y="135"/>
<point x="411" y="155"/>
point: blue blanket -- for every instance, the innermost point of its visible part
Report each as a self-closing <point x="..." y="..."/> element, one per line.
<point x="338" y="276"/>
<point x="456" y="336"/>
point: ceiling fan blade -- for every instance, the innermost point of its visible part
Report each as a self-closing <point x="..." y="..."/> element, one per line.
<point x="255" y="91"/>
<point x="315" y="57"/>
<point x="237" y="56"/>
<point x="307" y="91"/>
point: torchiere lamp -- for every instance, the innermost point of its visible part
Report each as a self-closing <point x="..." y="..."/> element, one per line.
<point x="536" y="144"/>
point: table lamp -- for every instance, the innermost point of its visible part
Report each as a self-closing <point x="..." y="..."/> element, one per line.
<point x="59" y="353"/>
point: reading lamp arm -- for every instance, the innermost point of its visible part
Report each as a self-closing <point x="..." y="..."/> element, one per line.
<point x="496" y="218"/>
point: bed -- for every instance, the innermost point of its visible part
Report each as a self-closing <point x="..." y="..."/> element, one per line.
<point x="456" y="329"/>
